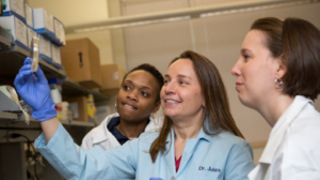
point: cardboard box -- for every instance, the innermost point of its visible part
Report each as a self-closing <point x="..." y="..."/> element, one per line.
<point x="16" y="8"/>
<point x="112" y="76"/>
<point x="81" y="61"/>
<point x="17" y="28"/>
<point x="78" y="106"/>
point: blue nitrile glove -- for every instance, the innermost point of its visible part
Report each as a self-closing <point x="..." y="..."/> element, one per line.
<point x="35" y="91"/>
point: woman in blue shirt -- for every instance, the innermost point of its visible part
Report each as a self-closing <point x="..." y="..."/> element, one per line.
<point x="199" y="138"/>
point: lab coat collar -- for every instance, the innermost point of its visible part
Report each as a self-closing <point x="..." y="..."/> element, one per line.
<point x="201" y="134"/>
<point x="102" y="132"/>
<point x="278" y="133"/>
<point x="187" y="153"/>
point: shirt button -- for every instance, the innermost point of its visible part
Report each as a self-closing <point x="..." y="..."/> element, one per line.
<point x="173" y="178"/>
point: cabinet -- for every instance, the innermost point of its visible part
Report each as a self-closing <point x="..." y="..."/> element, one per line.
<point x="12" y="150"/>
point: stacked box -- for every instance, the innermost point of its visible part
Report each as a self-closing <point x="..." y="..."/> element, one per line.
<point x="31" y="33"/>
<point x="17" y="28"/>
<point x="43" y="22"/>
<point x="81" y="61"/>
<point x="56" y="54"/>
<point x="29" y="16"/>
<point x="16" y="8"/>
<point x="59" y="32"/>
<point x="45" y="48"/>
<point x="112" y="76"/>
<point x="78" y="106"/>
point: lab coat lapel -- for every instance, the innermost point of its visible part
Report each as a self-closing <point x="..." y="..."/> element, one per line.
<point x="190" y="147"/>
<point x="169" y="156"/>
<point x="277" y="135"/>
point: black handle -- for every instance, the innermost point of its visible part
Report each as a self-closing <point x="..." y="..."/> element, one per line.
<point x="80" y="60"/>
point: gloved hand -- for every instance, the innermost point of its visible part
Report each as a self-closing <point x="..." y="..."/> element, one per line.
<point x="35" y="91"/>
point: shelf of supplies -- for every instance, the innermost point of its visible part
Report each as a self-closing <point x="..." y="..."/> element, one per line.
<point x="12" y="59"/>
<point x="71" y="88"/>
<point x="80" y="123"/>
<point x="6" y="117"/>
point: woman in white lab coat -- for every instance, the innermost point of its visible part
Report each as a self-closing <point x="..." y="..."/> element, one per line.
<point x="137" y="99"/>
<point x="278" y="74"/>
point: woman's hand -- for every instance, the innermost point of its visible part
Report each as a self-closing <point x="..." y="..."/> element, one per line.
<point x="35" y="91"/>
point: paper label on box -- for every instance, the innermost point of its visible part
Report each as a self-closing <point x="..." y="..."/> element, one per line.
<point x="115" y="75"/>
<point x="29" y="18"/>
<point x="48" y="21"/>
<point x="56" y="54"/>
<point x="21" y="31"/>
<point x="45" y="46"/>
<point x="31" y="33"/>
<point x="18" y="7"/>
<point x="59" y="31"/>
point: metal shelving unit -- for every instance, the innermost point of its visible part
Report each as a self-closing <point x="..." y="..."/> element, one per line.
<point x="13" y="149"/>
<point x="4" y="43"/>
<point x="72" y="88"/>
<point x="6" y="116"/>
<point x="12" y="59"/>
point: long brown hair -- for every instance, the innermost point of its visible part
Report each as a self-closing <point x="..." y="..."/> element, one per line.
<point x="216" y="103"/>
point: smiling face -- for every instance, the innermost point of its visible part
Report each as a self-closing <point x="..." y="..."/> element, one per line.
<point x="181" y="96"/>
<point x="137" y="96"/>
<point x="256" y="71"/>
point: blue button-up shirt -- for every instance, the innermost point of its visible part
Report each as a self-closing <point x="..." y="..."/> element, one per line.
<point x="215" y="157"/>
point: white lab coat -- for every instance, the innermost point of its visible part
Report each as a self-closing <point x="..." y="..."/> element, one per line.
<point x="101" y="136"/>
<point x="293" y="148"/>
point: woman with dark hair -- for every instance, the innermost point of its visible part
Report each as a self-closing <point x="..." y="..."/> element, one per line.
<point x="278" y="74"/>
<point x="199" y="139"/>
<point x="138" y="97"/>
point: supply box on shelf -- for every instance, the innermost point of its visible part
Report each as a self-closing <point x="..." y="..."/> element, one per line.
<point x="59" y="33"/>
<point x="82" y="108"/>
<point x="112" y="75"/>
<point x="81" y="60"/>
<point x="31" y="33"/>
<point x="29" y="16"/>
<point x="56" y="54"/>
<point x="16" y="8"/>
<point x="17" y="28"/>
<point x="45" y="48"/>
<point x="43" y="22"/>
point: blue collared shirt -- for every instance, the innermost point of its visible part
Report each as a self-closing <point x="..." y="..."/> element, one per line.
<point x="215" y="157"/>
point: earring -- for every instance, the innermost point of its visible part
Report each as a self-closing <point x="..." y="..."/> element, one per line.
<point x="278" y="82"/>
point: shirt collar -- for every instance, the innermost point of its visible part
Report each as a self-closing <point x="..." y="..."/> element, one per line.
<point x="201" y="134"/>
